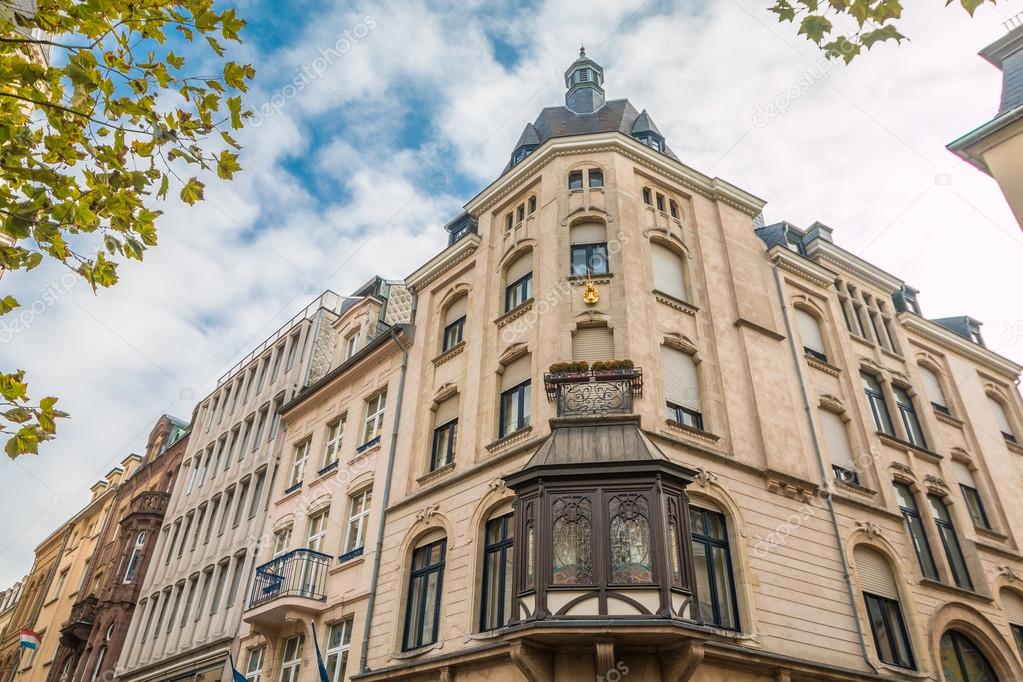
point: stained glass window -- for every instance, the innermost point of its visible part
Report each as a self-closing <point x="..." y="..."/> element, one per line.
<point x="573" y="541"/>
<point x="674" y="546"/>
<point x="962" y="661"/>
<point x="630" y="539"/>
<point x="529" y="567"/>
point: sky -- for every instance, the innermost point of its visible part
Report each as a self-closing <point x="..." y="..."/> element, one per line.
<point x="376" y="122"/>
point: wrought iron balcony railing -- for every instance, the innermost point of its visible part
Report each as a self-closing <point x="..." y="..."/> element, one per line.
<point x="299" y="573"/>
<point x="594" y="393"/>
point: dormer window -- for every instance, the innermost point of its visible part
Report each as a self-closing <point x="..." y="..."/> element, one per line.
<point x="575" y="180"/>
<point x="652" y="141"/>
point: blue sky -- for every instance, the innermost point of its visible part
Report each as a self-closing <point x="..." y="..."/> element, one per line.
<point x="355" y="172"/>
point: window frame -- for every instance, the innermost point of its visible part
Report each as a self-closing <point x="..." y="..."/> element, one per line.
<point x="975" y="506"/>
<point x="573" y="176"/>
<point x="684" y="415"/>
<point x="412" y="641"/>
<point x="135" y="558"/>
<point x="888" y="610"/>
<point x="502" y="549"/>
<point x="593" y="253"/>
<point x="358" y="520"/>
<point x="339" y="651"/>
<point x="522" y="394"/>
<point x="298" y="461"/>
<point x="255" y="674"/>
<point x="454" y="334"/>
<point x="450" y="429"/>
<point x="878" y="404"/>
<point x="914" y="524"/>
<point x="332" y="444"/>
<point x="518" y="292"/>
<point x="910" y="419"/>
<point x="724" y="546"/>
<point x="291" y="664"/>
<point x="950" y="542"/>
<point x="373" y="422"/>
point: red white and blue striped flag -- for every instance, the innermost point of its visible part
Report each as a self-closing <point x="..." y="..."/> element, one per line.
<point x="29" y="639"/>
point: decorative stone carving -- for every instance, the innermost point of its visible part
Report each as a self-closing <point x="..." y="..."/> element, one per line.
<point x="870" y="528"/>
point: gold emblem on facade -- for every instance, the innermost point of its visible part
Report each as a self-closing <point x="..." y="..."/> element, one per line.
<point x="590" y="294"/>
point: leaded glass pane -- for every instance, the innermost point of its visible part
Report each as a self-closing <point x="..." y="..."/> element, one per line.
<point x="630" y="540"/>
<point x="573" y="541"/>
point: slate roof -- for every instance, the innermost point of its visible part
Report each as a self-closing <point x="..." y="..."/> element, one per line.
<point x="963" y="325"/>
<point x="1006" y="53"/>
<point x="645" y="124"/>
<point x="617" y="115"/>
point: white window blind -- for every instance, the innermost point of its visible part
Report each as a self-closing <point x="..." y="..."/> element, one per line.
<point x="520" y="268"/>
<point x="875" y="573"/>
<point x="588" y="233"/>
<point x="593" y="343"/>
<point x="1001" y="418"/>
<point x="668" y="275"/>
<point x="1012" y="602"/>
<point x="933" y="386"/>
<point x="516" y="372"/>
<point x="456" y="310"/>
<point x="681" y="382"/>
<point x="446" y="411"/>
<point x="809" y="331"/>
<point x="836" y="440"/>
<point x="963" y="474"/>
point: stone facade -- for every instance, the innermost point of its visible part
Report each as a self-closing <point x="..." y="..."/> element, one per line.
<point x="93" y="636"/>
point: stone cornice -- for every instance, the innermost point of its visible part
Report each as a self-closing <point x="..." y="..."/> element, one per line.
<point x="442" y="262"/>
<point x="825" y="251"/>
<point x="935" y="333"/>
<point x="712" y="188"/>
<point x="802" y="267"/>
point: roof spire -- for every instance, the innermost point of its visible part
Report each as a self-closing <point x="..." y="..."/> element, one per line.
<point x="582" y="52"/>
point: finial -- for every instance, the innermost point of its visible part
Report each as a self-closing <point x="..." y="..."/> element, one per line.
<point x="582" y="52"/>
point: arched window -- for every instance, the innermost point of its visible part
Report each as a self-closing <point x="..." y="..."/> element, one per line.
<point x="712" y="561"/>
<point x="589" y="248"/>
<point x="97" y="671"/>
<point x="496" y="596"/>
<point x="681" y="387"/>
<point x="572" y="540"/>
<point x="593" y="343"/>
<point x="136" y="557"/>
<point x="669" y="276"/>
<point x="881" y="597"/>
<point x="454" y="322"/>
<point x="518" y="282"/>
<point x="422" y="605"/>
<point x="963" y="661"/>
<point x="631" y="544"/>
<point x="1012" y="602"/>
<point x="515" y="403"/>
<point x="836" y="442"/>
<point x="1002" y="419"/>
<point x="932" y="385"/>
<point x="810" y="334"/>
<point x="68" y="669"/>
<point x="445" y="431"/>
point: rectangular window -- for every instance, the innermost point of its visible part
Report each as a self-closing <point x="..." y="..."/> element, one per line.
<point x="339" y="641"/>
<point x="250" y="384"/>
<point x="358" y="519"/>
<point x="575" y="180"/>
<point x="589" y="259"/>
<point x="193" y="471"/>
<point x="207" y="578"/>
<point x="292" y="351"/>
<point x="660" y="202"/>
<point x="260" y="424"/>
<point x="520" y="213"/>
<point x="684" y="415"/>
<point x="257" y="492"/>
<point x="891" y="639"/>
<point x="681" y="387"/>
<point x="453" y="333"/>
<point x="218" y="456"/>
<point x="950" y="541"/>
<point x="282" y="541"/>
<point x="915" y="526"/>
<point x="975" y="507"/>
<point x="198" y="527"/>
<point x="351" y="345"/>
<point x="178" y="591"/>
<point x="914" y="432"/>
<point x="228" y="497"/>
<point x="712" y="561"/>
<point x="153" y="604"/>
<point x="254" y="667"/>
<point x="443" y="451"/>
<point x="1017" y="634"/>
<point x="210" y="411"/>
<point x="647" y="196"/>
<point x="214" y="508"/>
<point x="515" y="408"/>
<point x="264" y="371"/>
<point x="374" y="422"/>
<point x="496" y="600"/>
<point x="278" y="362"/>
<point x="236" y="579"/>
<point x="246" y="436"/>
<point x="878" y="406"/>
<point x="218" y="591"/>
<point x="174" y="540"/>
<point x="335" y="437"/>
<point x="595" y="177"/>
<point x="292" y="659"/>
<point x="532" y="205"/>
<point x="232" y="449"/>
<point x="518" y="292"/>
<point x="133" y="560"/>
<point x="422" y="607"/>
<point x="298" y="464"/>
<point x="184" y="536"/>
<point x="275" y="419"/>
<point x="243" y="491"/>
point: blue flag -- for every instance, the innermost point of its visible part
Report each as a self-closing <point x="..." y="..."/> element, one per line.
<point x="235" y="675"/>
<point x="324" y="677"/>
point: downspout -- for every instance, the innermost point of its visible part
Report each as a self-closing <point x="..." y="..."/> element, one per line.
<point x="385" y="499"/>
<point x="825" y="478"/>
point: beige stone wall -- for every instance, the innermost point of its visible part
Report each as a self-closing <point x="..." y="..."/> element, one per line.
<point x="1004" y="160"/>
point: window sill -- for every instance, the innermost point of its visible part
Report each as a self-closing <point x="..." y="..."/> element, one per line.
<point x="512" y="437"/>
<point x="955" y="590"/>
<point x="854" y="487"/>
<point x="294" y="488"/>
<point x="414" y="653"/>
<point x="287" y="495"/>
<point x="368" y="445"/>
<point x="1013" y="447"/>
<point x="449" y="353"/>
<point x="822" y="365"/>
<point x="692" y="431"/>
<point x="991" y="534"/>
<point x="948" y="419"/>
<point x="330" y="468"/>
<point x="515" y="313"/>
<point x="892" y="354"/>
<point x="674" y="302"/>
<point x="595" y="278"/>
<point x="899" y="443"/>
<point x="436" y="473"/>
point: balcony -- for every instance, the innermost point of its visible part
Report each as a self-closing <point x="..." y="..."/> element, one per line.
<point x="75" y="631"/>
<point x="150" y="502"/>
<point x="594" y="391"/>
<point x="292" y="582"/>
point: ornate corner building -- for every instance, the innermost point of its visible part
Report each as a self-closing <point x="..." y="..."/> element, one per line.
<point x="634" y="433"/>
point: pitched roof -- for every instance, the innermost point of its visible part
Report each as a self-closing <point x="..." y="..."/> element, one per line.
<point x="596" y="442"/>
<point x="645" y="124"/>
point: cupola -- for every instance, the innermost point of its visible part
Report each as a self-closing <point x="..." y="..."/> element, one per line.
<point x="584" y="80"/>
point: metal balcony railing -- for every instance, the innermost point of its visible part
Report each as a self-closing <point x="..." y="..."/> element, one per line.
<point x="299" y="573"/>
<point x="594" y="393"/>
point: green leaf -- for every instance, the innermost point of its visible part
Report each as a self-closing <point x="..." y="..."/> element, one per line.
<point x="192" y="191"/>
<point x="815" y="27"/>
<point x="227" y="165"/>
<point x="7" y="304"/>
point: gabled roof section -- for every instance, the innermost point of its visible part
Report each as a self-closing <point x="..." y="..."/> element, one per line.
<point x="529" y="136"/>
<point x="645" y="124"/>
